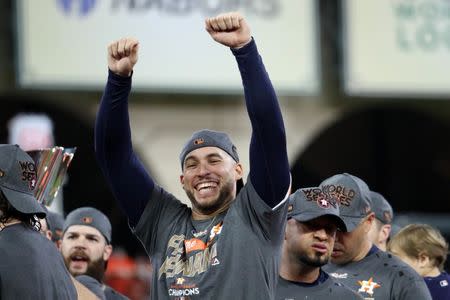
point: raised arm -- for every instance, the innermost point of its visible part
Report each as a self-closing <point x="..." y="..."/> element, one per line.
<point x="269" y="166"/>
<point x="125" y="174"/>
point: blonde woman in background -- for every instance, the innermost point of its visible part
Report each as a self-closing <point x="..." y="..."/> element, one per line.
<point x="425" y="250"/>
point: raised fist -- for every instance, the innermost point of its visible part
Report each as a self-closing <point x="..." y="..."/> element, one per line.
<point x="229" y="29"/>
<point x="122" y="56"/>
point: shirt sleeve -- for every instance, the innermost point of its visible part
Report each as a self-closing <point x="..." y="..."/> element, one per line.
<point x="409" y="285"/>
<point x="129" y="181"/>
<point x="269" y="166"/>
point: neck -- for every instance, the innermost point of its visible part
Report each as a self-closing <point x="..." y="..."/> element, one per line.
<point x="365" y="248"/>
<point x="11" y="221"/>
<point x="199" y="215"/>
<point x="431" y="272"/>
<point x="294" y="270"/>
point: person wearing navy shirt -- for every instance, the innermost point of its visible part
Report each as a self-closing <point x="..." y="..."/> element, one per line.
<point x="424" y="248"/>
<point x="227" y="244"/>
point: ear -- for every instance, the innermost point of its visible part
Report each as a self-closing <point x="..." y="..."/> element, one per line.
<point x="369" y="222"/>
<point x="182" y="179"/>
<point x="239" y="171"/>
<point x="48" y="234"/>
<point x="58" y="244"/>
<point x="384" y="233"/>
<point x="107" y="252"/>
<point x="423" y="260"/>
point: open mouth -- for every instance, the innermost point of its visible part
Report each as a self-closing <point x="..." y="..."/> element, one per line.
<point x="206" y="187"/>
<point x="79" y="260"/>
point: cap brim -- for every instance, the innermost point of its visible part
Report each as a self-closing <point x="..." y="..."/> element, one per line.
<point x="351" y="222"/>
<point x="305" y="217"/>
<point x="24" y="203"/>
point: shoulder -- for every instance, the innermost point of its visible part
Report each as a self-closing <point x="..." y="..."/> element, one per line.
<point x="112" y="294"/>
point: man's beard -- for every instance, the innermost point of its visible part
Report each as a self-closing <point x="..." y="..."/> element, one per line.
<point x="316" y="261"/>
<point x="222" y="199"/>
<point x="95" y="268"/>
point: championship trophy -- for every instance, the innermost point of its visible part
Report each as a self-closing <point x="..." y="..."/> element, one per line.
<point x="51" y="165"/>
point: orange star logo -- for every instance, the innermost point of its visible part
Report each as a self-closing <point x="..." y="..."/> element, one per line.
<point x="367" y="286"/>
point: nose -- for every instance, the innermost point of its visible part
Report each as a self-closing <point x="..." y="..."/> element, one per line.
<point x="80" y="243"/>
<point x="203" y="169"/>
<point x="321" y="234"/>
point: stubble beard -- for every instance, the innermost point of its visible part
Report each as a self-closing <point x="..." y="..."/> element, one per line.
<point x="315" y="261"/>
<point x="95" y="269"/>
<point x="223" y="199"/>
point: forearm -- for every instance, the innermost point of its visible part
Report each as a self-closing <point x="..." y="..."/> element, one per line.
<point x="269" y="166"/>
<point x="130" y="183"/>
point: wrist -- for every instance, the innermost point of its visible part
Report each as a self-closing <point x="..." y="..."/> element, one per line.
<point x="242" y="45"/>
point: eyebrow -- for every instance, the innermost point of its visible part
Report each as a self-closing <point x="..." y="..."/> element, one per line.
<point x="211" y="155"/>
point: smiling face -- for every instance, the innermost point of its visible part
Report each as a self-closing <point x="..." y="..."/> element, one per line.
<point x="85" y="251"/>
<point x="209" y="179"/>
<point x="311" y="242"/>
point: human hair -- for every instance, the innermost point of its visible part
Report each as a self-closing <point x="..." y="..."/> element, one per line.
<point x="416" y="239"/>
<point x="8" y="212"/>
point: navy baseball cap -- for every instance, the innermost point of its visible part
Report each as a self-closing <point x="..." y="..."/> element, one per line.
<point x="18" y="179"/>
<point x="310" y="203"/>
<point x="211" y="138"/>
<point x="381" y="207"/>
<point x="353" y="196"/>
<point x="89" y="216"/>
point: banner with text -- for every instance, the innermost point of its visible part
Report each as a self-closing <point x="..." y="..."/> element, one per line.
<point x="62" y="43"/>
<point x="397" y="47"/>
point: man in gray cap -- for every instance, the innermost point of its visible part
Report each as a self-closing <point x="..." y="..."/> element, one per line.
<point x="382" y="225"/>
<point x="86" y="246"/>
<point x="355" y="261"/>
<point x="30" y="265"/>
<point x="313" y="219"/>
<point x="226" y="245"/>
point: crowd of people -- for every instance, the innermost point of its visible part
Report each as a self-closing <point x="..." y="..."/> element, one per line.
<point x="252" y="240"/>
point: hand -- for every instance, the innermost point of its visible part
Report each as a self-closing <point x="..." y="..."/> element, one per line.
<point x="229" y="29"/>
<point x="122" y="56"/>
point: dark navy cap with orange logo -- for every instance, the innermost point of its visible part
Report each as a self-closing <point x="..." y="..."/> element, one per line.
<point x="310" y="203"/>
<point x="89" y="216"/>
<point x="18" y="179"/>
<point x="211" y="138"/>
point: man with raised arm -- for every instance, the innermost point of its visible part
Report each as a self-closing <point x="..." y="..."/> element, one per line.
<point x="227" y="245"/>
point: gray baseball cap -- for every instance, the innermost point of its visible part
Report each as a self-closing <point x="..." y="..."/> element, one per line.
<point x="353" y="196"/>
<point x="211" y="138"/>
<point x="18" y="179"/>
<point x="89" y="216"/>
<point x="381" y="207"/>
<point x="310" y="203"/>
<point x="55" y="223"/>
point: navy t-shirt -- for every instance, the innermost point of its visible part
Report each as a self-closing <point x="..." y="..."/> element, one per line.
<point x="439" y="286"/>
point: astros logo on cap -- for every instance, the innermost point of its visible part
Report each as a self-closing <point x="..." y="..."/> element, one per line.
<point x="87" y="220"/>
<point x="322" y="202"/>
<point x="199" y="141"/>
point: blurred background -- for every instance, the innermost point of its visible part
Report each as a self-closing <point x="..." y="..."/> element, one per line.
<point x="363" y="86"/>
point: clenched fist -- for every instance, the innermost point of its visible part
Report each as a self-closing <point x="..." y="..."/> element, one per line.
<point x="122" y="56"/>
<point x="229" y="29"/>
